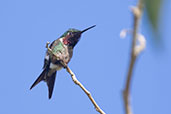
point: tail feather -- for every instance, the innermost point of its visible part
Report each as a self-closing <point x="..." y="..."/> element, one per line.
<point x="39" y="79"/>
<point x="50" y="83"/>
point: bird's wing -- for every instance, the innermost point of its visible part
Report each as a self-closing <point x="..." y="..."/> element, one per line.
<point x="57" y="48"/>
<point x="47" y="59"/>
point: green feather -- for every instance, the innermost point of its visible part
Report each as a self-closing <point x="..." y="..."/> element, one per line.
<point x="58" y="48"/>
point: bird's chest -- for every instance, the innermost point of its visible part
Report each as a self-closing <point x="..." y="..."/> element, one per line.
<point x="60" y="49"/>
<point x="62" y="52"/>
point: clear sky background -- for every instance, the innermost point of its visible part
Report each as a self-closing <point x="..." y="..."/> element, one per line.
<point x="100" y="59"/>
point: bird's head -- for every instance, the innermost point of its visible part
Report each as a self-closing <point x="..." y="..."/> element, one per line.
<point x="72" y="36"/>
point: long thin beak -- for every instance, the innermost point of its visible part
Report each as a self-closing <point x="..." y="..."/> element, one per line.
<point x="87" y="28"/>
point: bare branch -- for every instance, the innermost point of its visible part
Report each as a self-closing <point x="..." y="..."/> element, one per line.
<point x="137" y="11"/>
<point x="77" y="82"/>
<point x="84" y="89"/>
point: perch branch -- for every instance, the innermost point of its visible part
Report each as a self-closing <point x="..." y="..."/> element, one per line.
<point x="137" y="12"/>
<point x="85" y="90"/>
<point x="77" y="82"/>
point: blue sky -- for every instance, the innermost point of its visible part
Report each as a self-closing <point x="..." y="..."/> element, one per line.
<point x="100" y="59"/>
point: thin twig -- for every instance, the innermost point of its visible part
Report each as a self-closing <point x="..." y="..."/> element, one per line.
<point x="137" y="11"/>
<point x="77" y="82"/>
<point x="85" y="90"/>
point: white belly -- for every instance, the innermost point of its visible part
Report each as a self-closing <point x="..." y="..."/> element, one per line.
<point x="55" y="67"/>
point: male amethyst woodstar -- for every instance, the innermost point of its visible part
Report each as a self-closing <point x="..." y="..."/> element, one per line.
<point x="63" y="49"/>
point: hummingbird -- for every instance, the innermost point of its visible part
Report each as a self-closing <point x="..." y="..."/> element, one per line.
<point x="63" y="49"/>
